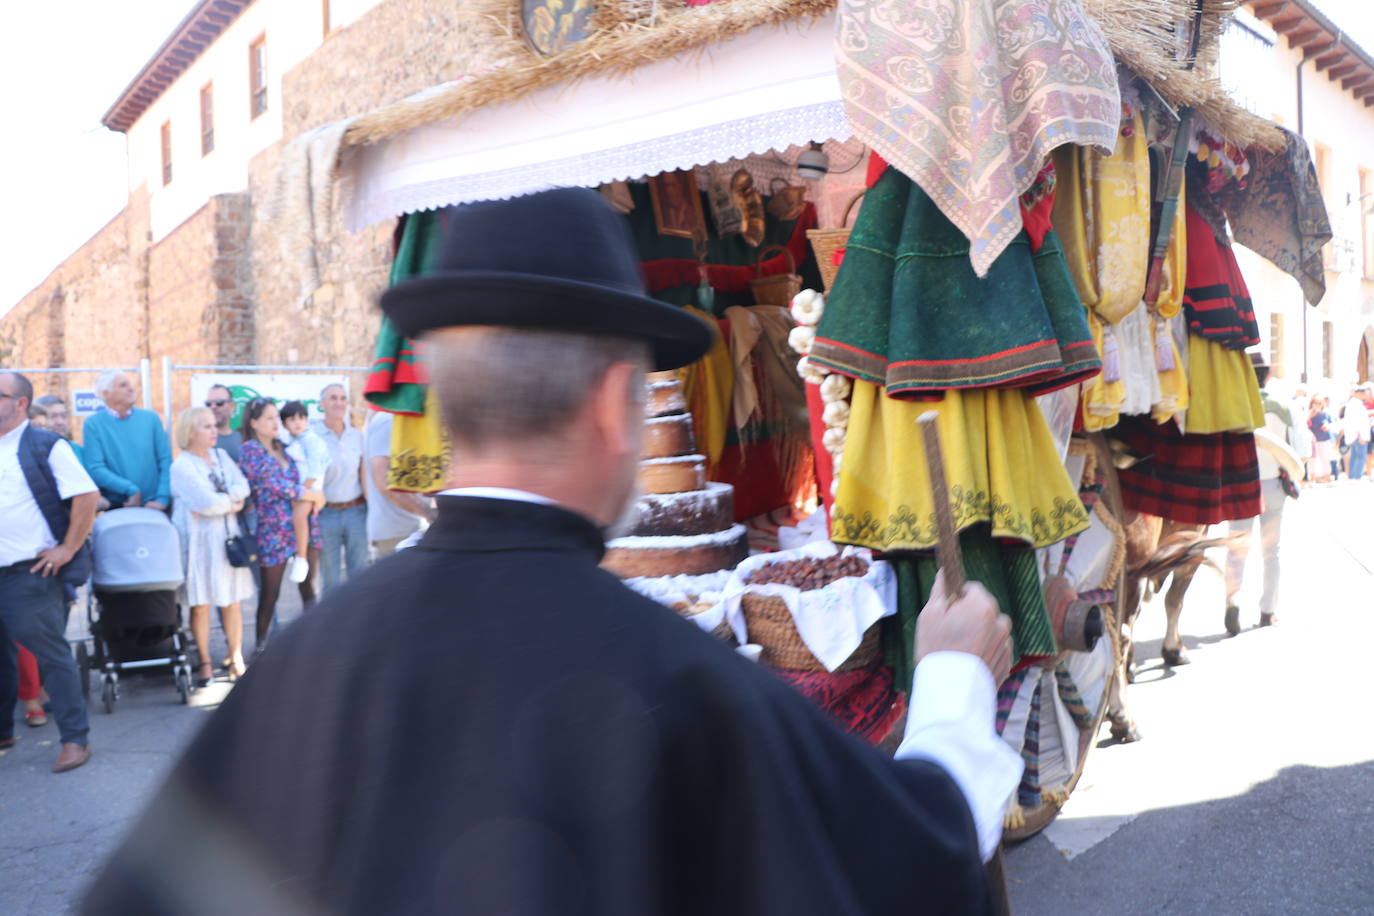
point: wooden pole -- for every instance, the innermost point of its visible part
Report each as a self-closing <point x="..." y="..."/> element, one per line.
<point x="952" y="565"/>
<point x="947" y="543"/>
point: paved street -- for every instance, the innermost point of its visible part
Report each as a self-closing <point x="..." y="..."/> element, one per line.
<point x="58" y="828"/>
<point x="1252" y="793"/>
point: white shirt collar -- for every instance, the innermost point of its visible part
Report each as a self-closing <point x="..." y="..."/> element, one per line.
<point x="520" y="496"/>
<point x="15" y="433"/>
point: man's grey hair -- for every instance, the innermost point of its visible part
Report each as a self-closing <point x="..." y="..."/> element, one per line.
<point x="513" y="385"/>
<point x="338" y="385"/>
<point x="49" y="400"/>
<point x="106" y="380"/>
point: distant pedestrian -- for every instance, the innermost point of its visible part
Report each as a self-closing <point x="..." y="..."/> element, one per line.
<point x="1324" y="467"/>
<point x="127" y="450"/>
<point x="1355" y="429"/>
<point x="1279" y="427"/>
<point x="392" y="516"/>
<point x="47" y="507"/>
<point x="343" y="520"/>
<point x="220" y="400"/>
<point x="274" y="480"/>
<point x="208" y="491"/>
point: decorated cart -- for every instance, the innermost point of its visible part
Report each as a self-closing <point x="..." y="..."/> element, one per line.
<point x="997" y="215"/>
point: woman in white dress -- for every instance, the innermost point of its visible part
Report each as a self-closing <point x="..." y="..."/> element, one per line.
<point x="208" y="490"/>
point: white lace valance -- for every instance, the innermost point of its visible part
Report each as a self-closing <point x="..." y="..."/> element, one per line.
<point x="770" y="89"/>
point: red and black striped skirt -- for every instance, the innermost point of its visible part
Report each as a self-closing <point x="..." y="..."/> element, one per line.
<point x="1196" y="479"/>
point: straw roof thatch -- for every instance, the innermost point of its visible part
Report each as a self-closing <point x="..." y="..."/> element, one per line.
<point x="633" y="33"/>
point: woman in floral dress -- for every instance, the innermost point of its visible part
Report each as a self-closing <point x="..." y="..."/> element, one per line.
<point x="275" y="482"/>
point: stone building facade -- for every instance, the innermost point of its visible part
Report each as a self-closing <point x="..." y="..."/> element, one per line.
<point x="216" y="288"/>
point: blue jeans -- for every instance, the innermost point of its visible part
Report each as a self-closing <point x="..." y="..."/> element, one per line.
<point x="33" y="611"/>
<point x="343" y="539"/>
<point x="1358" y="452"/>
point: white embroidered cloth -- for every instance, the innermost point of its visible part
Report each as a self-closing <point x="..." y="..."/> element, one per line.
<point x="769" y="89"/>
<point x="831" y="620"/>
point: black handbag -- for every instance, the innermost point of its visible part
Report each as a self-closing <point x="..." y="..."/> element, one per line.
<point x="241" y="549"/>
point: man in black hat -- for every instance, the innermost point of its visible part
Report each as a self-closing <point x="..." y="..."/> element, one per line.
<point x="489" y="723"/>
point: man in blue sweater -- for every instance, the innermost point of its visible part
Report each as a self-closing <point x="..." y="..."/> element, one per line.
<point x="127" y="452"/>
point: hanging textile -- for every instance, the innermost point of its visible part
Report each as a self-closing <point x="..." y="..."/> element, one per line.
<point x="1007" y="571"/>
<point x="1215" y="297"/>
<point x="1280" y="213"/>
<point x="1102" y="216"/>
<point x="1195" y="479"/>
<point x="419" y="450"/>
<point x="907" y="311"/>
<point x="708" y="386"/>
<point x="1002" y="467"/>
<point x="396" y="381"/>
<point x="1225" y="394"/>
<point x="968" y="98"/>
<point x="768" y="455"/>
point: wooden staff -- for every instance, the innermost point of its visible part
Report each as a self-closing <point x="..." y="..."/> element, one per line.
<point x="947" y="538"/>
<point x="952" y="565"/>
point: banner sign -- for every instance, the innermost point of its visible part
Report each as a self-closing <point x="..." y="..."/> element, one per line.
<point x="245" y="386"/>
<point x="85" y="402"/>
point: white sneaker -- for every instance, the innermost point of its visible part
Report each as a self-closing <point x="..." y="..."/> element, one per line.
<point x="299" y="569"/>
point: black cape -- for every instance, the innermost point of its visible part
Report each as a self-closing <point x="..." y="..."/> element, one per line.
<point x="491" y="724"/>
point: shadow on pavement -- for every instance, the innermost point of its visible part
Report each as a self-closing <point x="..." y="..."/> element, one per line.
<point x="1301" y="842"/>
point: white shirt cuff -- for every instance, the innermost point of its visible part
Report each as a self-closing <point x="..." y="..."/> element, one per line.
<point x="951" y="721"/>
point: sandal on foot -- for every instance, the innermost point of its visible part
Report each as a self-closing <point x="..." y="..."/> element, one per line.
<point x="35" y="718"/>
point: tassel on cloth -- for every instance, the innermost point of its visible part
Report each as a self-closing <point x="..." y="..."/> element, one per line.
<point x="1111" y="355"/>
<point x="1164" y="350"/>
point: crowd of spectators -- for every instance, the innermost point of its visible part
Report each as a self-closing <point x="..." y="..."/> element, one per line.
<point x="311" y="494"/>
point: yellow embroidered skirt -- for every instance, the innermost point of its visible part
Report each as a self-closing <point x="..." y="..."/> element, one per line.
<point x="1224" y="393"/>
<point x="1001" y="467"/>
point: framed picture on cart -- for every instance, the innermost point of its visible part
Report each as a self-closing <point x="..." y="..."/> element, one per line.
<point x="677" y="204"/>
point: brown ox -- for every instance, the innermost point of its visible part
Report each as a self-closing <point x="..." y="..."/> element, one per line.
<point x="1155" y="550"/>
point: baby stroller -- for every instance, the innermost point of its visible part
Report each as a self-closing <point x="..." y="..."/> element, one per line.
<point x="132" y="609"/>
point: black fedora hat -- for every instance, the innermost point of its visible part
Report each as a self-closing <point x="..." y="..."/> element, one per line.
<point x="556" y="260"/>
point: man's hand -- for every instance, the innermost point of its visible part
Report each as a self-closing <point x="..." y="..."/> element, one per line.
<point x="133" y="501"/>
<point x="154" y="504"/>
<point x="51" y="561"/>
<point x="971" y="623"/>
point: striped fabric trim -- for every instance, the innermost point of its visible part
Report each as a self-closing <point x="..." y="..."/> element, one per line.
<point x="1028" y="792"/>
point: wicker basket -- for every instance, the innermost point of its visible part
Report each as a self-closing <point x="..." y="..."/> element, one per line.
<point x="770" y="625"/>
<point x="827" y="243"/>
<point x="777" y="289"/>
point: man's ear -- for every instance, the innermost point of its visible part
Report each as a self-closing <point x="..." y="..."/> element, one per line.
<point x="617" y="410"/>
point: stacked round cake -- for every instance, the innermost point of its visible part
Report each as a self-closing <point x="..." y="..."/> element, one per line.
<point x="686" y="524"/>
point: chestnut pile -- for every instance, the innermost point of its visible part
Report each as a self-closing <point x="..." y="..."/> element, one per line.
<point x="810" y="573"/>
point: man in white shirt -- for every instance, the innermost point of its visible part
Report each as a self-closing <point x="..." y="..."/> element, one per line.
<point x="343" y="520"/>
<point x="33" y="606"/>
<point x="1355" y="431"/>
<point x="1280" y="429"/>
<point x="392" y="516"/>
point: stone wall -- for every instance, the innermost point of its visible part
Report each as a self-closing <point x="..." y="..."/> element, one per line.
<point x="397" y="48"/>
<point x="218" y="289"/>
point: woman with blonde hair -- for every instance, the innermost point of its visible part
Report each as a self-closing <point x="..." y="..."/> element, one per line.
<point x="208" y="490"/>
